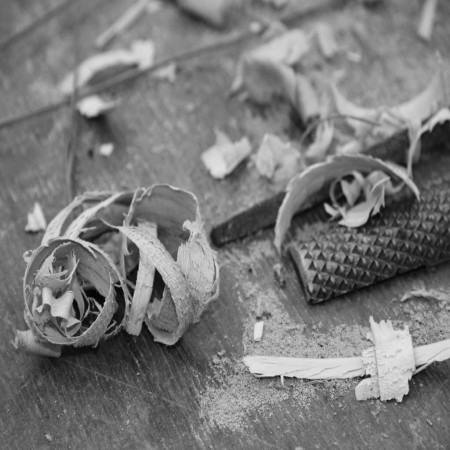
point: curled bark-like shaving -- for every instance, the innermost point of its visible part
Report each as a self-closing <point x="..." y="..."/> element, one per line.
<point x="320" y="175"/>
<point x="76" y="285"/>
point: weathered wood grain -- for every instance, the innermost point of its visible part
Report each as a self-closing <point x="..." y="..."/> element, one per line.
<point x="131" y="392"/>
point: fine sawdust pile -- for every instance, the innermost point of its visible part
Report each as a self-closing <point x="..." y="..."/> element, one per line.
<point x="234" y="396"/>
<point x="235" y="393"/>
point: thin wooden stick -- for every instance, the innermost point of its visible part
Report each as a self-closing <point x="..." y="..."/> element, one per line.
<point x="329" y="368"/>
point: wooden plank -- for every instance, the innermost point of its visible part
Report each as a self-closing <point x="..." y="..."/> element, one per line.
<point x="134" y="393"/>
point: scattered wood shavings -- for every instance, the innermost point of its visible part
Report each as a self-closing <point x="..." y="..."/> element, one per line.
<point x="276" y="159"/>
<point x="106" y="149"/>
<point x="36" y="219"/>
<point x="73" y="287"/>
<point x="258" y="331"/>
<point x="94" y="106"/>
<point x="427" y="18"/>
<point x="167" y="73"/>
<point x="213" y="12"/>
<point x="131" y="15"/>
<point x="264" y="65"/>
<point x="224" y="156"/>
<point x="140" y="54"/>
<point x="319" y="175"/>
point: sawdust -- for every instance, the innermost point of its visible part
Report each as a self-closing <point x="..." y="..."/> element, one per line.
<point x="234" y="396"/>
<point x="429" y="320"/>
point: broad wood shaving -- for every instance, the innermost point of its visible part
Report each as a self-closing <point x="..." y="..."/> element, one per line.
<point x="76" y="284"/>
<point x="390" y="364"/>
<point x="36" y="219"/>
<point x="224" y="156"/>
<point x="140" y="54"/>
<point x="319" y="175"/>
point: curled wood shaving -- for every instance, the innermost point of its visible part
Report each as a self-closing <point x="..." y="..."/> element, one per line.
<point x="76" y="294"/>
<point x="319" y="175"/>
<point x="371" y="189"/>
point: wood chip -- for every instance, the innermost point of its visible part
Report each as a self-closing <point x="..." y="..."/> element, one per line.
<point x="258" y="331"/>
<point x="36" y="219"/>
<point x="224" y="156"/>
<point x="427" y="17"/>
<point x="106" y="149"/>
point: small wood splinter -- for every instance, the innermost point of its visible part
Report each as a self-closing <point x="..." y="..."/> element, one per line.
<point x="391" y="363"/>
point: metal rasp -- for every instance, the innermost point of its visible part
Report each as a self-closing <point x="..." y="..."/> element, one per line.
<point x="407" y="235"/>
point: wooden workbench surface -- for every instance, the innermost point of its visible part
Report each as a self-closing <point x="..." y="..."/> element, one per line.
<point x="132" y="392"/>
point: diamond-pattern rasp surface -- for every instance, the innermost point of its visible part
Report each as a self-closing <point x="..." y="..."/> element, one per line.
<point x="403" y="237"/>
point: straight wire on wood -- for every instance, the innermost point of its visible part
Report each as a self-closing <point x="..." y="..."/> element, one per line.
<point x="72" y="140"/>
<point x="53" y="12"/>
<point x="129" y="75"/>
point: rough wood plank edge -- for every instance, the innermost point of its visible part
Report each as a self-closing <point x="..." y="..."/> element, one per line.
<point x="263" y="214"/>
